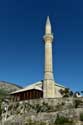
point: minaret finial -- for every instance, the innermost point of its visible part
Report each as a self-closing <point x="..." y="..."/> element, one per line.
<point x="48" y="26"/>
<point x="48" y="20"/>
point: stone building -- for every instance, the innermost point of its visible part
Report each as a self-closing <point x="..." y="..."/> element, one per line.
<point x="46" y="88"/>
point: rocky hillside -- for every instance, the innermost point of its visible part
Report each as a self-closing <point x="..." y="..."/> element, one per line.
<point x="9" y="87"/>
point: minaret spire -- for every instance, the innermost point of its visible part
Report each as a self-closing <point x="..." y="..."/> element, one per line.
<point x="48" y="26"/>
<point x="48" y="85"/>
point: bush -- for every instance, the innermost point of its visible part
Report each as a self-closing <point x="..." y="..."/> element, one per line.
<point x="81" y="116"/>
<point x="38" y="108"/>
<point x="44" y="107"/>
<point x="66" y="92"/>
<point x="0" y="109"/>
<point x="60" y="120"/>
<point x="77" y="103"/>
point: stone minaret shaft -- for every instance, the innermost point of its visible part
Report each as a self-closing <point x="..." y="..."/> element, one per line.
<point x="48" y="86"/>
<point x="48" y="38"/>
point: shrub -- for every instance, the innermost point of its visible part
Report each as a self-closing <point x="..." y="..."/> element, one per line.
<point x="66" y="92"/>
<point x="66" y="95"/>
<point x="38" y="108"/>
<point x="0" y="109"/>
<point x="44" y="107"/>
<point x="63" y="103"/>
<point x="81" y="116"/>
<point x="61" y="120"/>
<point x="77" y="103"/>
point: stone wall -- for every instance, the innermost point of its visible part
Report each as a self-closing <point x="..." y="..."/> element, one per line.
<point x="49" y="118"/>
<point x="43" y="109"/>
<point x="54" y="101"/>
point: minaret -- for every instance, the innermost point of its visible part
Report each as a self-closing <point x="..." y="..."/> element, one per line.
<point x="48" y="85"/>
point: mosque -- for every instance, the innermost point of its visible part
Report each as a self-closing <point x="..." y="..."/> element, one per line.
<point x="46" y="88"/>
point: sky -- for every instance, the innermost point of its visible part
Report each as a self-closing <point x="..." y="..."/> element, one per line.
<point x="22" y="24"/>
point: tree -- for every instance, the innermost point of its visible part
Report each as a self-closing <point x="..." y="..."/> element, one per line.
<point x="66" y="92"/>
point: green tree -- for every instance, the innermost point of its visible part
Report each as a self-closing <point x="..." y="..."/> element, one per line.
<point x="66" y="92"/>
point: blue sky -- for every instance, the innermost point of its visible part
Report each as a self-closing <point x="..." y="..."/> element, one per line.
<point x="22" y="47"/>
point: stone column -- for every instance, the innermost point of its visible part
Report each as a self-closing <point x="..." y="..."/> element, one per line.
<point x="48" y="57"/>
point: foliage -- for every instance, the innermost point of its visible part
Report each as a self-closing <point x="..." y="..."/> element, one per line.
<point x="66" y="95"/>
<point x="77" y="103"/>
<point x="60" y="120"/>
<point x="0" y="109"/>
<point x="66" y="92"/>
<point x="44" y="107"/>
<point x="37" y="108"/>
<point x="81" y="116"/>
<point x="3" y="92"/>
